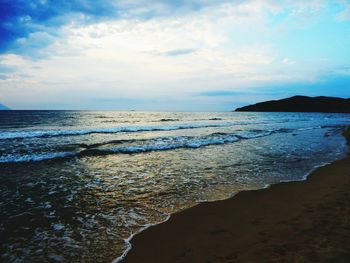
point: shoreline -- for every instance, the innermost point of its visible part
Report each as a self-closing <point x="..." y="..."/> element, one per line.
<point x="215" y="232"/>
<point x="147" y="226"/>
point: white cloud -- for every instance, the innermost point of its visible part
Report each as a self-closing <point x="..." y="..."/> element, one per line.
<point x="129" y="58"/>
<point x="344" y="15"/>
<point x="288" y="61"/>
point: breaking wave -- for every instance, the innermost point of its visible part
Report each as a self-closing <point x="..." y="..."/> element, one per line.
<point x="142" y="145"/>
<point x="55" y="133"/>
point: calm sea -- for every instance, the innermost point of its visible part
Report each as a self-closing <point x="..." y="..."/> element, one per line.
<point x="76" y="184"/>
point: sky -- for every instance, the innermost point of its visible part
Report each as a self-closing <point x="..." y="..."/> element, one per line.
<point x="194" y="55"/>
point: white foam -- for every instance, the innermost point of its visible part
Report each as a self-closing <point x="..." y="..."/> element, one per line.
<point x="128" y="240"/>
<point x="140" y="146"/>
<point x="34" y="157"/>
<point x="53" y="133"/>
<point x="174" y="143"/>
<point x="265" y="186"/>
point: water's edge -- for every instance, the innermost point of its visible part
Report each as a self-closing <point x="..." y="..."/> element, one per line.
<point x="304" y="178"/>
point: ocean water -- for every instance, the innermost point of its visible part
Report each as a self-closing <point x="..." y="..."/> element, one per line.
<point x="75" y="185"/>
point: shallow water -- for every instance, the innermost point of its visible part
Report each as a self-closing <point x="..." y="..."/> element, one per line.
<point x="76" y="184"/>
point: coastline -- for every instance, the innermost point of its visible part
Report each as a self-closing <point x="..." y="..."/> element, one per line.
<point x="298" y="221"/>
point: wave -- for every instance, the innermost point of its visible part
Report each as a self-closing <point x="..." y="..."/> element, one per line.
<point x="35" y="157"/>
<point x="161" y="144"/>
<point x="55" y="133"/>
<point x="147" y="145"/>
<point x="139" y="146"/>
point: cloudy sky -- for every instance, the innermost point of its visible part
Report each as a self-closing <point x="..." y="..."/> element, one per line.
<point x="203" y="55"/>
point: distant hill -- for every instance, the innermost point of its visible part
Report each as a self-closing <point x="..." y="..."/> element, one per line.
<point x="3" y="107"/>
<point x="302" y="104"/>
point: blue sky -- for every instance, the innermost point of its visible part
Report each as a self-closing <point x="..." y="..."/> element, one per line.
<point x="170" y="55"/>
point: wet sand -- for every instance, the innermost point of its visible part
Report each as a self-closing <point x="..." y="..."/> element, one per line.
<point x="306" y="221"/>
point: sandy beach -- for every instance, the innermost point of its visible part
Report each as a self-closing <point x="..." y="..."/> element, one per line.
<point x="306" y="221"/>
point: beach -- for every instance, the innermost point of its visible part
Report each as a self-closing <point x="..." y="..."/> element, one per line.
<point x="303" y="221"/>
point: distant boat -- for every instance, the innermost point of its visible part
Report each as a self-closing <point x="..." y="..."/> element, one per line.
<point x="3" y="107"/>
<point x="302" y="104"/>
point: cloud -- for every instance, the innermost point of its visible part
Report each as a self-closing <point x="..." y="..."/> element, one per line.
<point x="179" y="52"/>
<point x="21" y="18"/>
<point x="202" y="53"/>
<point x="333" y="84"/>
<point x="287" y="61"/>
<point x="221" y="93"/>
<point x="344" y="15"/>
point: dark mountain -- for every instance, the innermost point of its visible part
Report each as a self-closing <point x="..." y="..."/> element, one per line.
<point x="302" y="104"/>
<point x="3" y="107"/>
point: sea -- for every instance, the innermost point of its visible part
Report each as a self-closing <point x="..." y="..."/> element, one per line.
<point x="75" y="186"/>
